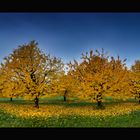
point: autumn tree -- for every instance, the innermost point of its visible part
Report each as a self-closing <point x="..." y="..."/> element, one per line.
<point x="98" y="76"/>
<point x="2" y="81"/>
<point x="66" y="86"/>
<point x="136" y="67"/>
<point x="134" y="81"/>
<point x="10" y="86"/>
<point x="119" y="79"/>
<point x="33" y="69"/>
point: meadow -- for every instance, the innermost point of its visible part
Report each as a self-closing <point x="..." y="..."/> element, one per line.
<point x="56" y="113"/>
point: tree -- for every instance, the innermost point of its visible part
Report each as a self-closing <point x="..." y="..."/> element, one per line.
<point x="10" y="87"/>
<point x="98" y="76"/>
<point x="134" y="81"/>
<point x="67" y="86"/>
<point x="33" y="69"/>
<point x="2" y="80"/>
<point x="136" y="67"/>
<point x="119" y="79"/>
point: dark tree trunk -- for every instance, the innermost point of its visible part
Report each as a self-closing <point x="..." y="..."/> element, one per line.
<point x="99" y="100"/>
<point x="65" y="98"/>
<point x="11" y="99"/>
<point x="99" y="103"/>
<point x="36" y="102"/>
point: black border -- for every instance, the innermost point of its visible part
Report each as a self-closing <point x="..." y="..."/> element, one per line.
<point x="59" y="6"/>
<point x="70" y="133"/>
<point x="69" y="6"/>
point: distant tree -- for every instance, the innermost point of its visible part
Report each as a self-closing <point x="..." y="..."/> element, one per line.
<point x="32" y="69"/>
<point x="67" y="86"/>
<point x="136" y="67"/>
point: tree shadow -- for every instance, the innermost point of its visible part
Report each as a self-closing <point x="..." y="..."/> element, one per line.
<point x="69" y="103"/>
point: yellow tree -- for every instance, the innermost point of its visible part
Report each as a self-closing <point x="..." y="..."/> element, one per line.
<point x="67" y="86"/>
<point x="10" y="87"/>
<point x="34" y="69"/>
<point x="1" y="82"/>
<point x="119" y="82"/>
<point x="136" y="67"/>
<point x="134" y="81"/>
<point x="98" y="76"/>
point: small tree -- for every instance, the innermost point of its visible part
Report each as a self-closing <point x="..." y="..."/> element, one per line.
<point x="136" y="67"/>
<point x="67" y="86"/>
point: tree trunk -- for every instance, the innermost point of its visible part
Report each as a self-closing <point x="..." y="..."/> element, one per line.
<point x="36" y="102"/>
<point x="11" y="99"/>
<point x="99" y="103"/>
<point x="99" y="100"/>
<point x="65" y="98"/>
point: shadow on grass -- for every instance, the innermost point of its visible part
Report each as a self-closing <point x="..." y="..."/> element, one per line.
<point x="68" y="103"/>
<point x="74" y="103"/>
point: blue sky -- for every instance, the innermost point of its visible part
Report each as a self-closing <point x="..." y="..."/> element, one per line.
<point x="67" y="35"/>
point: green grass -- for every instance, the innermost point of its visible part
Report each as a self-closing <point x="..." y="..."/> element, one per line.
<point x="8" y="120"/>
<point x="131" y="120"/>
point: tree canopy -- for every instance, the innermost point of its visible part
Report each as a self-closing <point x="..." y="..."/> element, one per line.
<point x="30" y="67"/>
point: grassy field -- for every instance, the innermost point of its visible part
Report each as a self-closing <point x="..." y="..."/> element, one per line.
<point x="56" y="113"/>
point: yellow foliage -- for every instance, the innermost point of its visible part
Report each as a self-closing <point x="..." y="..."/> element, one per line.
<point x="28" y="71"/>
<point x="99" y="77"/>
